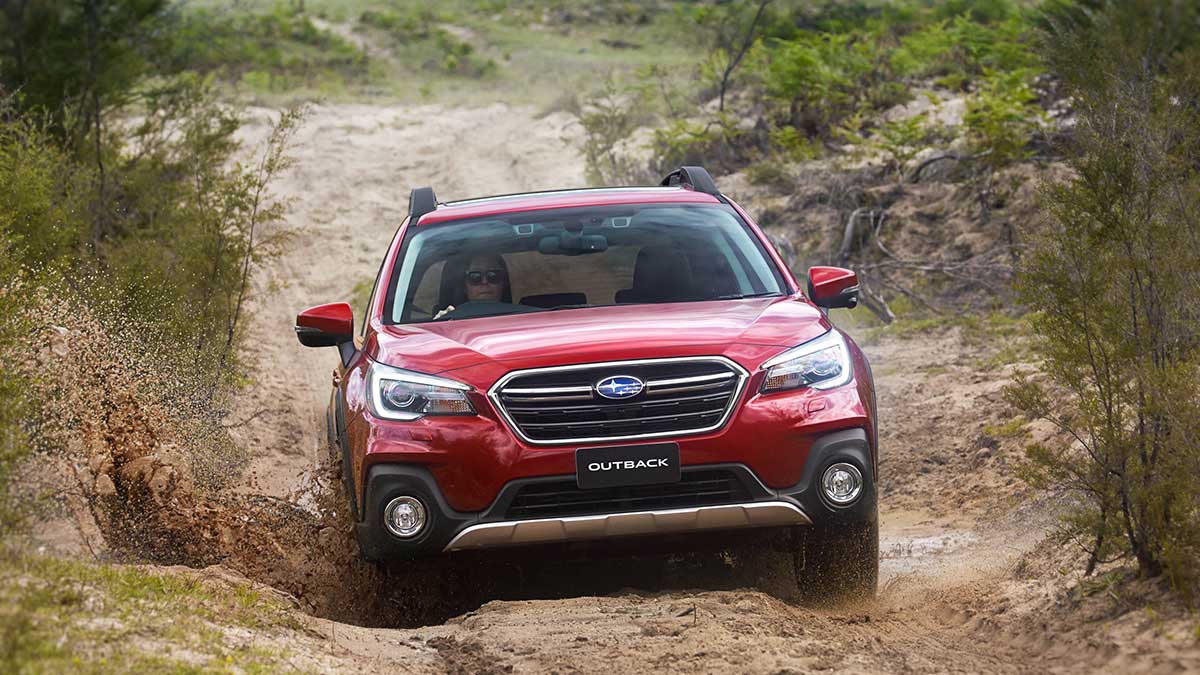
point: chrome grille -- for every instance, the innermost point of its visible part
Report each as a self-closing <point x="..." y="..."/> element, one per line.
<point x="559" y="404"/>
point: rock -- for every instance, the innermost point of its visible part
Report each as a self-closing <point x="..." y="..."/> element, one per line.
<point x="140" y="469"/>
<point x="327" y="537"/>
<point x="59" y="345"/>
<point x="104" y="487"/>
<point x="160" y="484"/>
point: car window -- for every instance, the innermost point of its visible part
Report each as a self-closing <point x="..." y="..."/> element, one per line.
<point x="572" y="258"/>
<point x="425" y="296"/>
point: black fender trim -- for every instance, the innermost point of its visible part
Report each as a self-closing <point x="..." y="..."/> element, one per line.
<point x="851" y="446"/>
<point x="388" y="481"/>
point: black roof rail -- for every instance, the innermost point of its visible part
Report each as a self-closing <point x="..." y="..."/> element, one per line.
<point x="695" y="176"/>
<point x="420" y="201"/>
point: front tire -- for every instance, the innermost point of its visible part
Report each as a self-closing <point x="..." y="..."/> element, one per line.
<point x="815" y="565"/>
<point x="840" y="564"/>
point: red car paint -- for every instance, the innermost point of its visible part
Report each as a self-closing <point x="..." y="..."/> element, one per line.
<point x="472" y="457"/>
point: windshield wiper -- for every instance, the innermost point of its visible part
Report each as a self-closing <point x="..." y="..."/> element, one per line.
<point x="743" y="296"/>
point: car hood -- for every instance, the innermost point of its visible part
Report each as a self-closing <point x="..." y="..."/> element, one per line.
<point x="593" y="334"/>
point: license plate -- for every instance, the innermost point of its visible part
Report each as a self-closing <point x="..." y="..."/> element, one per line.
<point x="627" y="465"/>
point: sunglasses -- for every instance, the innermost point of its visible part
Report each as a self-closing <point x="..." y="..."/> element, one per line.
<point x="478" y="277"/>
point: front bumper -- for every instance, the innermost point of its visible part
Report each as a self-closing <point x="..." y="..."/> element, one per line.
<point x="756" y="506"/>
<point x="627" y="524"/>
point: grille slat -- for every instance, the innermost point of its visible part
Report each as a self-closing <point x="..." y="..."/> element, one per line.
<point x="631" y="420"/>
<point x="650" y="403"/>
<point x="563" y="498"/>
<point x="682" y="395"/>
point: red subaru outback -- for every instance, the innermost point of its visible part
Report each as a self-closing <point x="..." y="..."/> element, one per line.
<point x="601" y="364"/>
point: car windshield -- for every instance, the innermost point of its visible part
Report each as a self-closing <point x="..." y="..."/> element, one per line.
<point x="562" y="259"/>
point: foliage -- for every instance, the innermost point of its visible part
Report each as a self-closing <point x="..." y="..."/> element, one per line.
<point x="42" y="200"/>
<point x="682" y="142"/>
<point x="73" y="60"/>
<point x="770" y="172"/>
<point x="147" y="215"/>
<point x="900" y="140"/>
<point x="58" y="615"/>
<point x="609" y="120"/>
<point x="43" y="194"/>
<point x="1002" y="117"/>
<point x="14" y="404"/>
<point x="1113" y="279"/>
<point x="816" y="80"/>
<point x="961" y="49"/>
<point x="730" y="29"/>
<point x="435" y="48"/>
<point x="791" y="144"/>
<point x="278" y="50"/>
<point x="835" y="66"/>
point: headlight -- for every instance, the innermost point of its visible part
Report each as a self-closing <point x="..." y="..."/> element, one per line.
<point x="822" y="363"/>
<point x="405" y="395"/>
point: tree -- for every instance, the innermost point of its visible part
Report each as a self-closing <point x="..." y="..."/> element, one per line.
<point x="75" y="61"/>
<point x="1112" y="279"/>
<point x="733" y="29"/>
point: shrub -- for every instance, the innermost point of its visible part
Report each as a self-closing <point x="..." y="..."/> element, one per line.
<point x="792" y="145"/>
<point x="14" y="439"/>
<point x="155" y="225"/>
<point x="609" y="119"/>
<point x="838" y="61"/>
<point x="900" y="141"/>
<point x="1113" y="279"/>
<point x="1002" y="117"/>
<point x="417" y="32"/>
<point x="276" y="50"/>
<point x="770" y="172"/>
<point x="817" y="78"/>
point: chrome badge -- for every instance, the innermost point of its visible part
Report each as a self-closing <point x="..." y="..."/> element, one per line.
<point x="619" y="386"/>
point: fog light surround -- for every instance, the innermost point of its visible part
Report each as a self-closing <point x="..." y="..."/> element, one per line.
<point x="405" y="517"/>
<point x="842" y="484"/>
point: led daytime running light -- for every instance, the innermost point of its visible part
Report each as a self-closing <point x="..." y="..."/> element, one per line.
<point x="821" y="363"/>
<point x="405" y="395"/>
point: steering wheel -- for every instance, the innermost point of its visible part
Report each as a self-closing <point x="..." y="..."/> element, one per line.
<point x="478" y="308"/>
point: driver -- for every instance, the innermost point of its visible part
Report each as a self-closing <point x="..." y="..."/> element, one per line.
<point x="485" y="280"/>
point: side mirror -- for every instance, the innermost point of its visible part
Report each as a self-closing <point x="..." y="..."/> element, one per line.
<point x="325" y="325"/>
<point x="832" y="287"/>
<point x="329" y="325"/>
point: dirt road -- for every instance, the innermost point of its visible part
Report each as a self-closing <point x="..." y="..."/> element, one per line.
<point x="957" y="532"/>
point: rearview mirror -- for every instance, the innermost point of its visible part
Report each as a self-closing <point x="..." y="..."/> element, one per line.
<point x="325" y="325"/>
<point x="570" y="243"/>
<point x="832" y="287"/>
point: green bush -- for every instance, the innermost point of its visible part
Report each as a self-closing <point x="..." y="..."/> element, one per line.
<point x="1002" y="117"/>
<point x="817" y="79"/>
<point x="124" y="197"/>
<point x="273" y="51"/>
<point x="961" y="49"/>
<point x="770" y="172"/>
<point x="418" y="36"/>
<point x="838" y="64"/>
<point x="14" y="438"/>
<point x="1112" y="278"/>
<point x="791" y="144"/>
<point x="609" y="119"/>
<point x="901" y="140"/>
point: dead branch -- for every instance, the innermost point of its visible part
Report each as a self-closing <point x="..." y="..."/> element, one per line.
<point x="850" y="233"/>
<point x="950" y="156"/>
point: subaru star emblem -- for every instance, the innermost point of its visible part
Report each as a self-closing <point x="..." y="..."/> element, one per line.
<point x="619" y="386"/>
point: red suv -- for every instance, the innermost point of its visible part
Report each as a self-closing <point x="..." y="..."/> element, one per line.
<point x="633" y="364"/>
